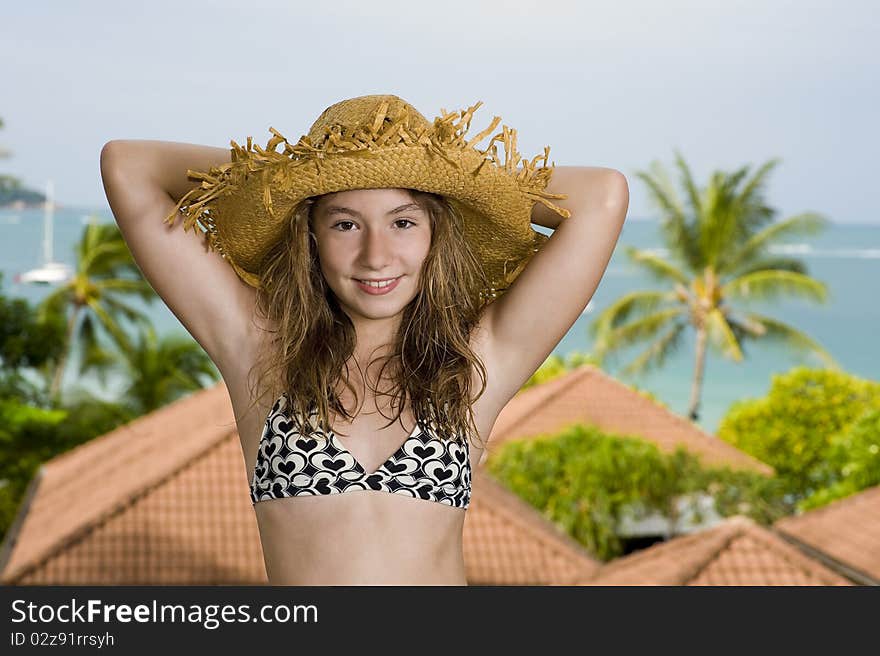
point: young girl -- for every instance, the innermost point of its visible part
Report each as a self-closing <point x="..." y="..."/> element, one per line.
<point x="378" y="299"/>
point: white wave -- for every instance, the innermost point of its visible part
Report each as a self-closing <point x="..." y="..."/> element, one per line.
<point x="797" y="249"/>
<point x="791" y="249"/>
<point x="844" y="253"/>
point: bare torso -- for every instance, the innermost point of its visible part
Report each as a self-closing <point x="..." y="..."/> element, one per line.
<point x="366" y="537"/>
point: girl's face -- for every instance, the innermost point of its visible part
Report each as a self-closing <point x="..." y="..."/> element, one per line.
<point x="371" y="234"/>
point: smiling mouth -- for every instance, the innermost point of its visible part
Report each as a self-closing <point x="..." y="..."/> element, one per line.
<point x="378" y="283"/>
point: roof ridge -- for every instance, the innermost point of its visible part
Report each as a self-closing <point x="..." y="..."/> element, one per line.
<point x="551" y="389"/>
<point x="11" y="538"/>
<point x="686" y="422"/>
<point x="146" y="417"/>
<point x="836" y="505"/>
<point x="671" y="414"/>
<point x="842" y="568"/>
<point x="715" y="539"/>
<point x="727" y="531"/>
<point x="773" y="539"/>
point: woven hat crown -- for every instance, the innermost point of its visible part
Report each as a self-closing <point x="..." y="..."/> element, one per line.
<point x="361" y="114"/>
<point x="376" y="141"/>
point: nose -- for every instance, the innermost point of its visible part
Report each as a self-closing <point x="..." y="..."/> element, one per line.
<point x="376" y="250"/>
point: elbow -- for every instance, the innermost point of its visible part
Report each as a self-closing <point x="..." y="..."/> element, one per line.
<point x="108" y="148"/>
<point x="618" y="194"/>
<point x="108" y="153"/>
<point x="115" y="151"/>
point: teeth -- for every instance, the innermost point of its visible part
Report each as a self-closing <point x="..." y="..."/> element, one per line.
<point x="377" y="284"/>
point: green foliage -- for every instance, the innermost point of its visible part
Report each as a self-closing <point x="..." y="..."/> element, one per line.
<point x="27" y="340"/>
<point x="793" y="428"/>
<point x="853" y="462"/>
<point x="556" y="366"/>
<point x="29" y="436"/>
<point x="586" y="482"/>
<point x="162" y="370"/>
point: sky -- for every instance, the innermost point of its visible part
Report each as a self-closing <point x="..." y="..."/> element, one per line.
<point x="617" y="84"/>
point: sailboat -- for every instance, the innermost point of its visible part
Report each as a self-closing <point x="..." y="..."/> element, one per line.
<point x="48" y="272"/>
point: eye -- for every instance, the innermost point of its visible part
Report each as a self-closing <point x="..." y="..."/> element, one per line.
<point x="339" y="223"/>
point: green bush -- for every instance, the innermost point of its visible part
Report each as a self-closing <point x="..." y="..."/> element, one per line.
<point x="555" y="366"/>
<point x="30" y="436"/>
<point x="586" y="482"/>
<point x="853" y="462"/>
<point x="793" y="428"/>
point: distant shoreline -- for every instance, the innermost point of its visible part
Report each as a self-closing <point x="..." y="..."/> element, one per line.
<point x="22" y="205"/>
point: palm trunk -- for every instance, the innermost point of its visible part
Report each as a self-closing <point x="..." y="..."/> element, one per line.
<point x="62" y="361"/>
<point x="699" y="366"/>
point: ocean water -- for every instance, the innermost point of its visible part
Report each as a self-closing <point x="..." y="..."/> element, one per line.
<point x="846" y="257"/>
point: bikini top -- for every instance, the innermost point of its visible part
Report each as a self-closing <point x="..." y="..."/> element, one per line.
<point x="423" y="467"/>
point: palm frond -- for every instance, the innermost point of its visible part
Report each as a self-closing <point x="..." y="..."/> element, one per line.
<point x="112" y="327"/>
<point x="657" y="353"/>
<point x="162" y="368"/>
<point x="807" y="223"/>
<point x="741" y="331"/>
<point x="137" y="317"/>
<point x="778" y="331"/>
<point x="776" y="263"/>
<point x="55" y="303"/>
<point x="638" y="329"/>
<point x="99" y="360"/>
<point x="102" y="251"/>
<point x="690" y="186"/>
<point x="676" y="231"/>
<point x="137" y="286"/>
<point x="623" y="308"/>
<point x="722" y="336"/>
<point x="88" y="336"/>
<point x="719" y="223"/>
<point x="659" y="268"/>
<point x="753" y="210"/>
<point x="771" y="284"/>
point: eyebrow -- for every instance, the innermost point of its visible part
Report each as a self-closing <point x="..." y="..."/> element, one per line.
<point x="339" y="209"/>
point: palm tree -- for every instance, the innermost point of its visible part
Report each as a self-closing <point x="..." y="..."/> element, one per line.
<point x="105" y="274"/>
<point x="720" y="257"/>
<point x="157" y="371"/>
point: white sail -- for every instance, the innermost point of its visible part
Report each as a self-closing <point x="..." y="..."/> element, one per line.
<point x="48" y="272"/>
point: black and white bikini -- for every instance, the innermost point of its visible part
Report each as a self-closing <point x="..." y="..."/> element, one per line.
<point x="423" y="467"/>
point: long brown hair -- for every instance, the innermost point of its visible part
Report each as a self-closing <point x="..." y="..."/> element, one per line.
<point x="312" y="338"/>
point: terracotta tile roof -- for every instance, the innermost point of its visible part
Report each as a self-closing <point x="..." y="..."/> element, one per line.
<point x="164" y="500"/>
<point x="160" y="500"/>
<point x="845" y="533"/>
<point x="588" y="395"/>
<point x="507" y="542"/>
<point x="737" y="551"/>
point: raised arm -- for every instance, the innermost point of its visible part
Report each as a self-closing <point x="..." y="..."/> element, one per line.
<point x="143" y="181"/>
<point x="527" y="322"/>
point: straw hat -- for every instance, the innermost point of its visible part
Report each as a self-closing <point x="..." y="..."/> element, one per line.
<point x="376" y="141"/>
